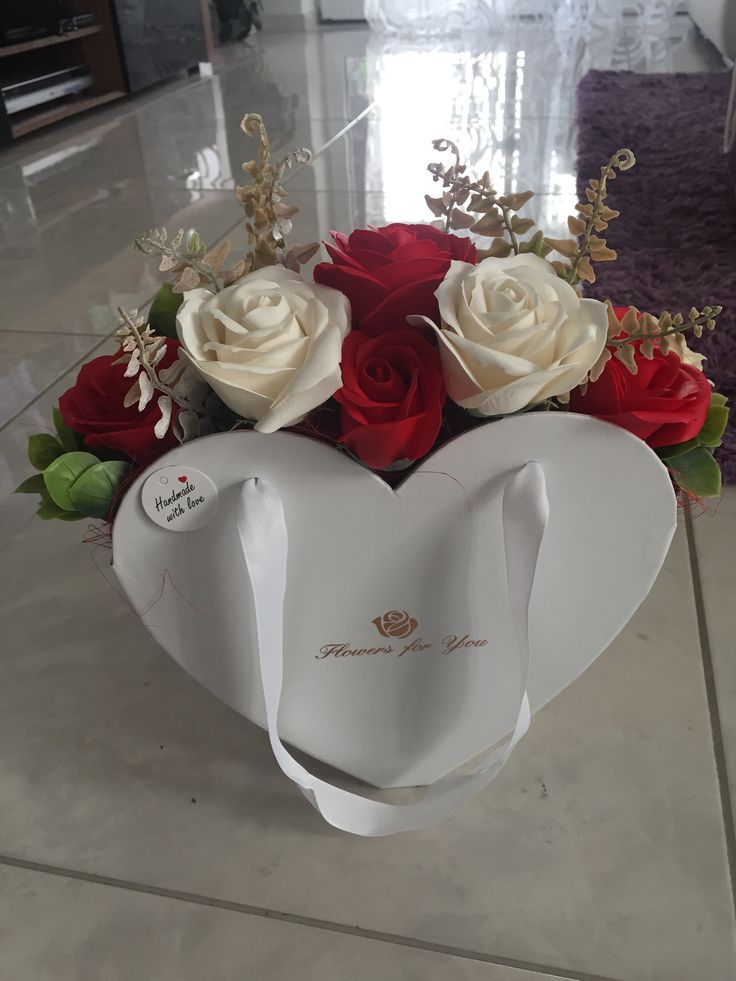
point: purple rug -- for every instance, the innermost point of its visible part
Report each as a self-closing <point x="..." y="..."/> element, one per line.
<point x="676" y="237"/>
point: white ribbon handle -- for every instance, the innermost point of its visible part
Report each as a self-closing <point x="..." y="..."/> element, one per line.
<point x="263" y="535"/>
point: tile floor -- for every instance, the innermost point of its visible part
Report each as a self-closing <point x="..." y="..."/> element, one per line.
<point x="145" y="831"/>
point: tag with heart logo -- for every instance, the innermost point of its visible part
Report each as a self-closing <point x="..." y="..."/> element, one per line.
<point x="179" y="500"/>
<point x="400" y="656"/>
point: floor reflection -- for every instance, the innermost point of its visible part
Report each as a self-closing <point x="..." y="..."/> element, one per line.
<point x="508" y="102"/>
<point x="507" y="98"/>
<point x="369" y="106"/>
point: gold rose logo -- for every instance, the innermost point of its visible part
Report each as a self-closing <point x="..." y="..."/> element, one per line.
<point x="396" y="623"/>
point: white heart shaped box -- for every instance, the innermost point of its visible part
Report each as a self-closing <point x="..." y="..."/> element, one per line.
<point x="434" y="548"/>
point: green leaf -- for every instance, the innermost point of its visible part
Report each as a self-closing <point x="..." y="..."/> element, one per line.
<point x="697" y="473"/>
<point x="92" y="493"/>
<point x="195" y="245"/>
<point x="49" y="510"/>
<point x="717" y="399"/>
<point x="43" y="449"/>
<point x="69" y="440"/>
<point x="533" y="243"/>
<point x="398" y="465"/>
<point x="536" y="245"/>
<point x="31" y="485"/>
<point x="162" y="314"/>
<point x="715" y="422"/>
<point x="670" y="452"/>
<point x="60" y="476"/>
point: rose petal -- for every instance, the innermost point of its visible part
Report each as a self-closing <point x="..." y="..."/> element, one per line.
<point x="269" y="345"/>
<point x="513" y="334"/>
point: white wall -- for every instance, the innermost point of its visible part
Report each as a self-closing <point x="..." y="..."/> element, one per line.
<point x="341" y="9"/>
<point x="289" y="15"/>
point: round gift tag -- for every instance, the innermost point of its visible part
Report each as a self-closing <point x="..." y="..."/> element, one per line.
<point x="179" y="498"/>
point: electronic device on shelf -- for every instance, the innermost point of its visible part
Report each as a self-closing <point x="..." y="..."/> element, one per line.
<point x="25" y="32"/>
<point x="75" y="22"/>
<point x="29" y="92"/>
<point x="22" y="22"/>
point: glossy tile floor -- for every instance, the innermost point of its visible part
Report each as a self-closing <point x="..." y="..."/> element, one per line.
<point x="145" y="831"/>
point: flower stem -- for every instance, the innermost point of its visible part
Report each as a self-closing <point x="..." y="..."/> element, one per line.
<point x="701" y="320"/>
<point x="507" y="224"/>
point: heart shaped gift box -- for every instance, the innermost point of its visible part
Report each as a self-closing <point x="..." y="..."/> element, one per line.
<point x="399" y="617"/>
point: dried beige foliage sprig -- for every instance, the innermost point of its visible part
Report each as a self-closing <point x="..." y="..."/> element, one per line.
<point x="142" y="353"/>
<point x="498" y="219"/>
<point x="268" y="222"/>
<point x="446" y="208"/>
<point x="649" y="333"/>
<point x="189" y="259"/>
<point x="589" y="246"/>
<point x="267" y="213"/>
<point x="487" y="213"/>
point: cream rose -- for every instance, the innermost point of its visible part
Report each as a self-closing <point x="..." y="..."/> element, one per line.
<point x="513" y="334"/>
<point x="269" y="345"/>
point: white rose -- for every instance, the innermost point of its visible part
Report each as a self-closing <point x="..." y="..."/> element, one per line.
<point x="270" y="345"/>
<point x="514" y="333"/>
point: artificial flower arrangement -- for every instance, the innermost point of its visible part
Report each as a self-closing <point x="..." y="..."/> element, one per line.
<point x="409" y="335"/>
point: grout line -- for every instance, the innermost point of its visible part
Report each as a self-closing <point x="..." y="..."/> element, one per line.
<point x="98" y="117"/>
<point x="103" y="339"/>
<point x="713" y="709"/>
<point x="343" y="131"/>
<point x="43" y="391"/>
<point x="291" y="173"/>
<point x="196" y="899"/>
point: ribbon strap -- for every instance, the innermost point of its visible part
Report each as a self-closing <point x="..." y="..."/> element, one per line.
<point x="263" y="535"/>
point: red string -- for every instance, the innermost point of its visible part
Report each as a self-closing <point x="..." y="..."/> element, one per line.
<point x="165" y="577"/>
<point x="688" y="501"/>
<point x="321" y="425"/>
<point x="123" y="597"/>
<point x="99" y="535"/>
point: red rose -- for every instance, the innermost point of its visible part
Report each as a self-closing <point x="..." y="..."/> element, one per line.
<point x="392" y="396"/>
<point x="389" y="273"/>
<point x="664" y="403"/>
<point x="94" y="408"/>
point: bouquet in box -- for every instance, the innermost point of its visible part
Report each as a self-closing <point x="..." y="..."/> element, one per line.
<point x="414" y="652"/>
